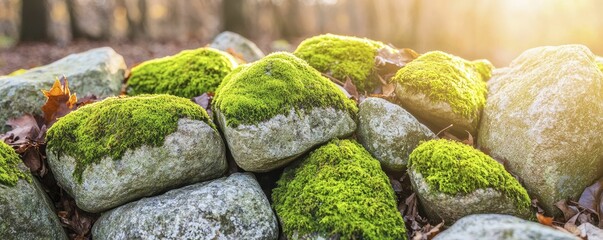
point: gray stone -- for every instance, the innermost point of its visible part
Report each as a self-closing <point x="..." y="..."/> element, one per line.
<point x="99" y="71"/>
<point x="389" y="132"/>
<point x="589" y="231"/>
<point x="233" y="207"/>
<point x="26" y="213"/>
<point x="195" y="152"/>
<point x="450" y="208"/>
<point x="274" y="143"/>
<point x="238" y="44"/>
<point x="500" y="227"/>
<point x="544" y="118"/>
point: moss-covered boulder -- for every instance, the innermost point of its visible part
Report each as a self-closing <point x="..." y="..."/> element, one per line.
<point x="277" y="108"/>
<point x="187" y="74"/>
<point x="453" y="180"/>
<point x="442" y="89"/>
<point x="25" y="211"/>
<point x="389" y="132"/>
<point x="343" y="56"/>
<point x="544" y="118"/>
<point x="338" y="190"/>
<point x="123" y="148"/>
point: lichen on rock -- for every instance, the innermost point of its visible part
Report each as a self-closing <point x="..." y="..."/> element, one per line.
<point x="9" y="170"/>
<point x="338" y="190"/>
<point x="341" y="57"/>
<point x="187" y="74"/>
<point x="454" y="168"/>
<point x="116" y="124"/>
<point x="274" y="85"/>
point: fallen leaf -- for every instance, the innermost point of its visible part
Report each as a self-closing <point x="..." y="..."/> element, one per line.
<point x="469" y="140"/>
<point x="238" y="56"/>
<point x="544" y="220"/>
<point x="59" y="101"/>
<point x="23" y="127"/>
<point x="204" y="101"/>
<point x="388" y="89"/>
<point x="389" y="60"/>
<point x="568" y="212"/>
<point x="592" y="197"/>
<point x="351" y="89"/>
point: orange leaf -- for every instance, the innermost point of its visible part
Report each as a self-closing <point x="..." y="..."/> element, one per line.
<point x="544" y="220"/>
<point x="59" y="101"/>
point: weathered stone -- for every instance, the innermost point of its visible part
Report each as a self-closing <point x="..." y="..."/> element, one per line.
<point x="500" y="227"/>
<point x="233" y="207"/>
<point x="453" y="180"/>
<point x="589" y="231"/>
<point x="389" y="132"/>
<point x="26" y="212"/>
<point x="98" y="72"/>
<point x="544" y="118"/>
<point x="275" y="109"/>
<point x="239" y="44"/>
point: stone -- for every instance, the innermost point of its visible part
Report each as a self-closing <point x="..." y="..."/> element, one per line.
<point x="25" y="211"/>
<point x="92" y="19"/>
<point x="170" y="142"/>
<point x="174" y="74"/>
<point x="500" y="227"/>
<point x="453" y="180"/>
<point x="232" y="207"/>
<point x="275" y="109"/>
<point x="441" y="89"/>
<point x="98" y="72"/>
<point x="337" y="192"/>
<point x="389" y="132"/>
<point x="543" y="118"/>
<point x="229" y="41"/>
<point x="589" y="231"/>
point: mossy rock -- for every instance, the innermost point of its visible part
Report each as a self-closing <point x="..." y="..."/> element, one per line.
<point x="342" y="56"/>
<point x="453" y="180"/>
<point x="9" y="170"/>
<point x="443" y="89"/>
<point x="122" y="148"/>
<point x="189" y="73"/>
<point x="277" y="108"/>
<point x="337" y="191"/>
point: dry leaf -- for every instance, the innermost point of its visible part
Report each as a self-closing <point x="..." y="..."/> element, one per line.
<point x="592" y="197"/>
<point x="238" y="56"/>
<point x="351" y="89"/>
<point x="59" y="101"/>
<point x="544" y="219"/>
<point x="204" y="101"/>
<point x="388" y="89"/>
<point x="23" y="127"/>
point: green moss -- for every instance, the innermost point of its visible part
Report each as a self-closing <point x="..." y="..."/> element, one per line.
<point x="452" y="167"/>
<point x="9" y="170"/>
<point x="187" y="74"/>
<point x="447" y="78"/>
<point x="339" y="189"/>
<point x="341" y="57"/>
<point x="274" y="85"/>
<point x="110" y="127"/>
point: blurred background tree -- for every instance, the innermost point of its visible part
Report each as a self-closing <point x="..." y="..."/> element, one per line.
<point x="494" y="29"/>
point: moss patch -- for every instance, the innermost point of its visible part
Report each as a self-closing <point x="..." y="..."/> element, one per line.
<point x="187" y="74"/>
<point x="110" y="127"/>
<point x="447" y="78"/>
<point x="339" y="189"/>
<point x="274" y="85"/>
<point x="9" y="170"/>
<point x="452" y="167"/>
<point x="341" y="57"/>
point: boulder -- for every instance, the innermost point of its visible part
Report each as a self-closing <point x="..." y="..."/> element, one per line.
<point x="111" y="152"/>
<point x="453" y="180"/>
<point x="229" y="41"/>
<point x="275" y="109"/>
<point x="98" y="72"/>
<point x="543" y="118"/>
<point x="389" y="132"/>
<point x="232" y="207"/>
<point x="25" y="211"/>
<point x="441" y="89"/>
<point x="188" y="74"/>
<point x="500" y="227"/>
<point x="337" y="192"/>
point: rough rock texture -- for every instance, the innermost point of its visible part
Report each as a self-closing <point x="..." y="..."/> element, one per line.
<point x="389" y="132"/>
<point x="26" y="213"/>
<point x="453" y="180"/>
<point x="193" y="153"/>
<point x="500" y="227"/>
<point x="277" y="108"/>
<point x="544" y="118"/>
<point x="233" y="207"/>
<point x="337" y="192"/>
<point x="441" y="89"/>
<point x="590" y="231"/>
<point x="239" y="44"/>
<point x="98" y="71"/>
